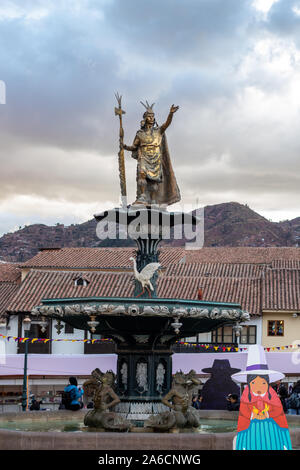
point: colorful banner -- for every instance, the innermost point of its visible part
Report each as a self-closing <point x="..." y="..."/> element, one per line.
<point x="45" y="340"/>
<point x="207" y="347"/>
<point x="223" y="348"/>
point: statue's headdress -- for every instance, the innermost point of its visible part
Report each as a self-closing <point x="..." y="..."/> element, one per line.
<point x="147" y="106"/>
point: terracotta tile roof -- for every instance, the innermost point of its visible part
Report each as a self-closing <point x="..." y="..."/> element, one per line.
<point x="40" y="284"/>
<point x="57" y="284"/>
<point x="242" y="255"/>
<point x="246" y="292"/>
<point x="8" y="290"/>
<point x="286" y="263"/>
<point x="215" y="270"/>
<point x="97" y="258"/>
<point x="257" y="278"/>
<point x="281" y="289"/>
<point x="10" y="272"/>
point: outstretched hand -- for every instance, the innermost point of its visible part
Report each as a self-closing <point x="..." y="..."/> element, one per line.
<point x="173" y="108"/>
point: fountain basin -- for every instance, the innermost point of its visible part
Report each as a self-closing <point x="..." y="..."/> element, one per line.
<point x="75" y="437"/>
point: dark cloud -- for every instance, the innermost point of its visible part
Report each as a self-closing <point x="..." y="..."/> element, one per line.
<point x="283" y="19"/>
<point x="192" y="31"/>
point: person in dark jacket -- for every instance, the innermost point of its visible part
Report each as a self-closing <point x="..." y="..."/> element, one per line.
<point x="296" y="388"/>
<point x="74" y="393"/>
<point x="293" y="402"/>
<point x="35" y="405"/>
<point x="283" y="395"/>
<point x="233" y="402"/>
<point x="196" y="402"/>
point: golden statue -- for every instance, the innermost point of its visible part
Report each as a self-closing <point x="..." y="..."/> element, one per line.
<point x="156" y="182"/>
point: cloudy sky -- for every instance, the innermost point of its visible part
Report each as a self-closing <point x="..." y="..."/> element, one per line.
<point x="233" y="67"/>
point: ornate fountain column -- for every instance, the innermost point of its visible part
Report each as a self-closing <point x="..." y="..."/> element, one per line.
<point x="147" y="226"/>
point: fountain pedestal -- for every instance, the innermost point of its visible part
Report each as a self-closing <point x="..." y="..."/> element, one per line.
<point x="144" y="374"/>
<point x="143" y="329"/>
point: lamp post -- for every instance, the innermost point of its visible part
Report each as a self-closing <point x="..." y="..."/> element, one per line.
<point x="26" y="324"/>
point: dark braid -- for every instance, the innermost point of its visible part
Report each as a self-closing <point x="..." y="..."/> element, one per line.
<point x="252" y="377"/>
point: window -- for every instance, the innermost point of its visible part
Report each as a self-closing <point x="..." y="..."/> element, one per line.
<point x="80" y="281"/>
<point x="69" y="330"/>
<point x="190" y="339"/>
<point x="90" y="335"/>
<point x="275" y="328"/>
<point x="225" y="334"/>
<point x="248" y="334"/>
<point x="36" y="332"/>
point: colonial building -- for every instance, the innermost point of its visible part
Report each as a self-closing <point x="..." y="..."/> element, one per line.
<point x="265" y="281"/>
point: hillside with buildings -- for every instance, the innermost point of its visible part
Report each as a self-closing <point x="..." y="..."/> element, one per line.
<point x="228" y="224"/>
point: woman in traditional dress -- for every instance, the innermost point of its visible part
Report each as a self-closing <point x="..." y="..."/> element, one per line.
<point x="262" y="424"/>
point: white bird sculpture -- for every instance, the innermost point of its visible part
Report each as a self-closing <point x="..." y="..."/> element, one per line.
<point x="145" y="275"/>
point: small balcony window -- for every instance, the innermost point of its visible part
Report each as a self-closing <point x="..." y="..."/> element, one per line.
<point x="80" y="281"/>
<point x="69" y="330"/>
<point x="275" y="328"/>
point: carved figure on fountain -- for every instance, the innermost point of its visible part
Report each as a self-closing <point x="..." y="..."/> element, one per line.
<point x="104" y="399"/>
<point x="178" y="399"/>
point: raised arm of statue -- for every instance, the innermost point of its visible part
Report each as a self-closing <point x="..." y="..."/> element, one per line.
<point x="164" y="126"/>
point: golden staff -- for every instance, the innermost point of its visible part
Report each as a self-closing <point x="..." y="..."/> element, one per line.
<point x="118" y="112"/>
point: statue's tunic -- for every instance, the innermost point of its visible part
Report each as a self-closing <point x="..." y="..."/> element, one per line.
<point x="151" y="152"/>
<point x="149" y="158"/>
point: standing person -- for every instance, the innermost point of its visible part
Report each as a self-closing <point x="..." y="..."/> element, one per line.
<point x="233" y="402"/>
<point x="293" y="402"/>
<point x="262" y="424"/>
<point x="196" y="402"/>
<point x="283" y="395"/>
<point x="72" y="395"/>
<point x="276" y="386"/>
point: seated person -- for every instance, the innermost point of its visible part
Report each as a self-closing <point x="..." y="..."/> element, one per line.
<point x="72" y="395"/>
<point x="35" y="405"/>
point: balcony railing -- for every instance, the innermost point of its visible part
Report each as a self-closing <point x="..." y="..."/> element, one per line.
<point x="109" y="348"/>
<point x="100" y="348"/>
<point x="204" y="347"/>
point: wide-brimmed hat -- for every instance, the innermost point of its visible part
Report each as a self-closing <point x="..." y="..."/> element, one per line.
<point x="220" y="365"/>
<point x="257" y="365"/>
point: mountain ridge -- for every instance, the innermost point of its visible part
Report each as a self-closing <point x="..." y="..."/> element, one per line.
<point x="225" y="224"/>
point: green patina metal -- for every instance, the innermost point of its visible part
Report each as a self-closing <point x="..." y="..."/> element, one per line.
<point x="130" y="316"/>
<point x="143" y="330"/>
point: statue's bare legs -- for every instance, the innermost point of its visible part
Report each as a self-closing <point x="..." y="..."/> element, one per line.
<point x="153" y="191"/>
<point x="143" y="185"/>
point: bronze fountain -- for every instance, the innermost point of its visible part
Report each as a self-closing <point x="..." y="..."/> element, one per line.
<point x="144" y="327"/>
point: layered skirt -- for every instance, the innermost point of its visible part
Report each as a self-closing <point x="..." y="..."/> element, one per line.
<point x="264" y="434"/>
